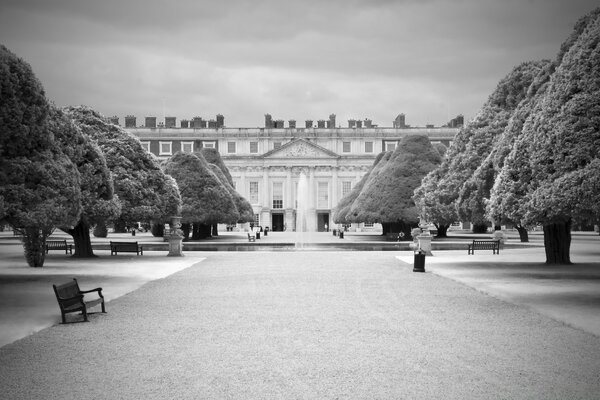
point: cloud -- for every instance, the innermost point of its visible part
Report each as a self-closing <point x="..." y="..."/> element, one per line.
<point x="296" y="59"/>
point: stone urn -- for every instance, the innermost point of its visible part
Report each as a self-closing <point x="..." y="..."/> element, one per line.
<point x="175" y="238"/>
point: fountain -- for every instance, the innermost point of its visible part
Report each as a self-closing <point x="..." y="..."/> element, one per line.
<point x="301" y="211"/>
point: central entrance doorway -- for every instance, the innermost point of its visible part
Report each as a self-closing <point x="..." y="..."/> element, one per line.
<point x="277" y="222"/>
<point x="322" y="221"/>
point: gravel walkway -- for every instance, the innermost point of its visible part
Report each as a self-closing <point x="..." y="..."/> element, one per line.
<point x="305" y="325"/>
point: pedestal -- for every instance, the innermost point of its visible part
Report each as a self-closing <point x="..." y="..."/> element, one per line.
<point x="175" y="245"/>
<point x="425" y="243"/>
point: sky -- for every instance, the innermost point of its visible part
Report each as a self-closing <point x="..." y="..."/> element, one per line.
<point x="375" y="59"/>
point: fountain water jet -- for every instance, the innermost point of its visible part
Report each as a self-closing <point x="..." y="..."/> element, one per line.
<point x="301" y="211"/>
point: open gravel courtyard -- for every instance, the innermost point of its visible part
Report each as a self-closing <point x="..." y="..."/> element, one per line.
<point x="305" y="325"/>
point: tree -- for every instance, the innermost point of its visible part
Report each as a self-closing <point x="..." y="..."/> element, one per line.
<point x="551" y="175"/>
<point x="99" y="204"/>
<point x="482" y="133"/>
<point x="146" y="193"/>
<point x="435" y="202"/>
<point x="243" y="206"/>
<point x="39" y="185"/>
<point x="341" y="211"/>
<point x="387" y="195"/>
<point x="495" y="207"/>
<point x="205" y="200"/>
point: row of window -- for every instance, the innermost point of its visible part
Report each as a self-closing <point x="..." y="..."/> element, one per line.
<point x="277" y="198"/>
<point x="166" y="148"/>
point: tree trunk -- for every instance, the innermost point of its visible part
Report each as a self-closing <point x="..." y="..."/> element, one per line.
<point x="185" y="229"/>
<point x="120" y="226"/>
<point x="523" y="234"/>
<point x="442" y="230"/>
<point x="81" y="238"/>
<point x="157" y="229"/>
<point x="34" y="244"/>
<point x="215" y="230"/>
<point x="203" y="231"/>
<point x="557" y="243"/>
<point x="195" y="231"/>
<point x="479" y="228"/>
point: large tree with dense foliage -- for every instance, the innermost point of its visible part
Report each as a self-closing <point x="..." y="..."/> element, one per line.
<point x="341" y="211"/>
<point x="39" y="185"/>
<point x="98" y="199"/>
<point x="551" y="175"/>
<point x="387" y="196"/>
<point x="475" y="164"/>
<point x="146" y="193"/>
<point x="205" y="199"/>
<point x="243" y="206"/>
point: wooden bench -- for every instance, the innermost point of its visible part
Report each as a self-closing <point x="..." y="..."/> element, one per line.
<point x="59" y="245"/>
<point x="71" y="299"/>
<point x="126" y="247"/>
<point x="493" y="245"/>
<point x="251" y="238"/>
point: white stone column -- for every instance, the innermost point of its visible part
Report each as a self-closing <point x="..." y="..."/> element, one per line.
<point x="334" y="186"/>
<point x="289" y="198"/>
<point x="266" y="196"/>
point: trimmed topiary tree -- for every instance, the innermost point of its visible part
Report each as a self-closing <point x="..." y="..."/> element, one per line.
<point x="387" y="196"/>
<point x="39" y="185"/>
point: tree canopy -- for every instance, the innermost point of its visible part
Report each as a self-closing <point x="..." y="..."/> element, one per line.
<point x="205" y="199"/>
<point x="39" y="185"/>
<point x="99" y="204"/>
<point x="243" y="206"/>
<point x="341" y="211"/>
<point x="387" y="194"/>
<point x="145" y="192"/>
<point x="551" y="175"/>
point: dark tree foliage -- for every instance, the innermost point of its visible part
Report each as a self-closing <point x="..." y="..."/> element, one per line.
<point x="387" y="196"/>
<point x="341" y="212"/>
<point x="146" y="193"/>
<point x="39" y="185"/>
<point x="212" y="156"/>
<point x="483" y="132"/>
<point x="205" y="200"/>
<point x="243" y="206"/>
<point x="557" y="152"/>
<point x="98" y="200"/>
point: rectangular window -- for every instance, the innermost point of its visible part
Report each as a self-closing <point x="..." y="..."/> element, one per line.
<point x="368" y="147"/>
<point x="346" y="147"/>
<point x="277" y="195"/>
<point x="368" y="225"/>
<point x="256" y="220"/>
<point x="346" y="187"/>
<point x="253" y="147"/>
<point x="276" y="145"/>
<point x="208" y="145"/>
<point x="146" y="146"/>
<point x="323" y="195"/>
<point x="390" y="146"/>
<point x="165" y="149"/>
<point x="231" y="147"/>
<point x="187" y="147"/>
<point x="253" y="192"/>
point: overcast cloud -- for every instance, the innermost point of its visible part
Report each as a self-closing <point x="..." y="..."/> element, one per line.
<point x="297" y="59"/>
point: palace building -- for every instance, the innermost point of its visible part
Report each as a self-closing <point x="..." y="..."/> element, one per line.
<point x="266" y="163"/>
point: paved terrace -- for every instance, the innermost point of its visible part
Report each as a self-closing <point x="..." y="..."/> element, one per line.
<point x="306" y="324"/>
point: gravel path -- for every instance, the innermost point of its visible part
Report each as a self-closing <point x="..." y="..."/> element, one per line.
<point x="305" y="325"/>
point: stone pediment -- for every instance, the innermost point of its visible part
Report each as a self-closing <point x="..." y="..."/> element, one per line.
<point x="300" y="148"/>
